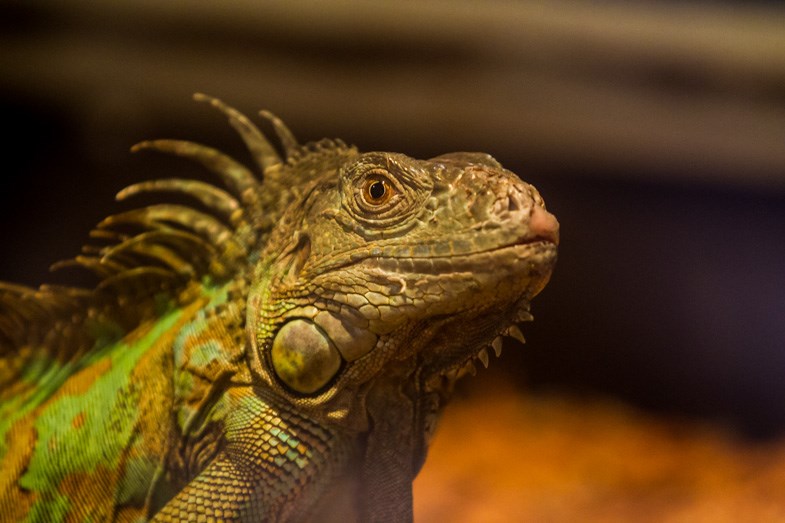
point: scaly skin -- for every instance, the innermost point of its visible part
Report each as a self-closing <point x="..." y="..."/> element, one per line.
<point x="286" y="353"/>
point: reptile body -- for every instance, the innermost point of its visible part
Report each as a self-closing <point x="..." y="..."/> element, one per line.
<point x="277" y="352"/>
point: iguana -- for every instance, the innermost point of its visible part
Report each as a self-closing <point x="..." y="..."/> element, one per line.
<point x="276" y="351"/>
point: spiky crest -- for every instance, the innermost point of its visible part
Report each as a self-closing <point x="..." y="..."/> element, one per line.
<point x="162" y="248"/>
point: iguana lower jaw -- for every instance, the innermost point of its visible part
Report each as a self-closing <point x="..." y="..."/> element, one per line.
<point x="465" y="345"/>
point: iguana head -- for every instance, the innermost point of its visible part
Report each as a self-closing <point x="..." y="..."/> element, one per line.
<point x="381" y="262"/>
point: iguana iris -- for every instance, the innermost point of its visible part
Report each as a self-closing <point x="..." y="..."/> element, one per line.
<point x="280" y="348"/>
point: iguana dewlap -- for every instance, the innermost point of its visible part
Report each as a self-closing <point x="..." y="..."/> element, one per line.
<point x="278" y="351"/>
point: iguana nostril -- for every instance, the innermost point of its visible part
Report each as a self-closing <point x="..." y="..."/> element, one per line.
<point x="512" y="203"/>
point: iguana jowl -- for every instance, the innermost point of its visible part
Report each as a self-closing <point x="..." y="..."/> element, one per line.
<point x="281" y="348"/>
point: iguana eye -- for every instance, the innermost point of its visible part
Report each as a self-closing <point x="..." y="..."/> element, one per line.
<point x="377" y="190"/>
<point x="380" y="191"/>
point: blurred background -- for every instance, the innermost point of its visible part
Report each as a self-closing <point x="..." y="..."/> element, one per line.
<point x="654" y="130"/>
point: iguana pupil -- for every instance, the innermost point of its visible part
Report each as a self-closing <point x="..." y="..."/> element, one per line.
<point x="303" y="357"/>
<point x="377" y="190"/>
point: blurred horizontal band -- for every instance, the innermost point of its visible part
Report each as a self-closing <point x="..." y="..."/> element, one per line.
<point x="669" y="89"/>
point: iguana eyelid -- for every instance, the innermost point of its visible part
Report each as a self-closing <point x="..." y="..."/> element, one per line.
<point x="399" y="203"/>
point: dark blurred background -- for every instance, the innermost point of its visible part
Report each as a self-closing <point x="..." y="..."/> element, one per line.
<point x="654" y="130"/>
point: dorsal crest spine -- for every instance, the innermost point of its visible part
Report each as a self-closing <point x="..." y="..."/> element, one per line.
<point x="162" y="248"/>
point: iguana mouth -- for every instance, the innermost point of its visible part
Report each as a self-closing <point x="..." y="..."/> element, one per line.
<point x="539" y="250"/>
